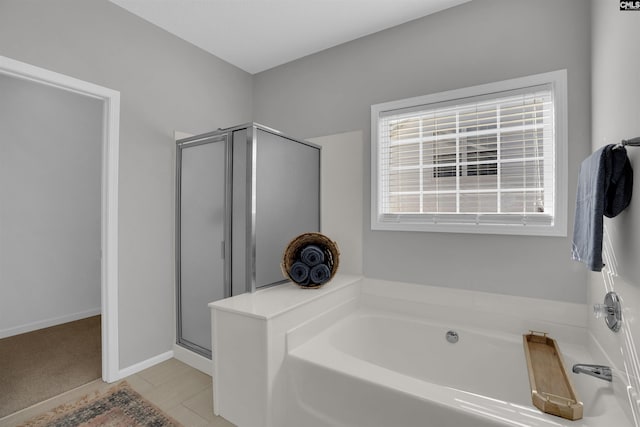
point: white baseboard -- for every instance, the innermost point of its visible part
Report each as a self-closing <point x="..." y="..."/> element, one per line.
<point x="192" y="359"/>
<point x="46" y="323"/>
<point x="141" y="366"/>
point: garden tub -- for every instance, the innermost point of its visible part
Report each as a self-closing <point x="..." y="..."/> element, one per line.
<point x="381" y="368"/>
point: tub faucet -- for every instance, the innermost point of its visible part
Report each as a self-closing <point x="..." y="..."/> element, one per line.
<point x="598" y="371"/>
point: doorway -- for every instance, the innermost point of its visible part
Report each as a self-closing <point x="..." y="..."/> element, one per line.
<point x="108" y="187"/>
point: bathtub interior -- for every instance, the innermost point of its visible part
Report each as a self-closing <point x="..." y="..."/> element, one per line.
<point x="390" y="356"/>
<point x="480" y="362"/>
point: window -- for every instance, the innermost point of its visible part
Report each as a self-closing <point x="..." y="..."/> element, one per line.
<point x="485" y="159"/>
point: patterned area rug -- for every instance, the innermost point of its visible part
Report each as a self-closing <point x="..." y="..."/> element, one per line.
<point x="121" y="406"/>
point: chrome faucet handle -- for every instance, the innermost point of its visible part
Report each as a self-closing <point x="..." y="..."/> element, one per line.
<point x="601" y="310"/>
<point x="611" y="311"/>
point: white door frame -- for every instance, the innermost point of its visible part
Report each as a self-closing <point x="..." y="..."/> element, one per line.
<point x="109" y="185"/>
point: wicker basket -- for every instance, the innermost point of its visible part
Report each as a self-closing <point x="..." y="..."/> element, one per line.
<point x="292" y="254"/>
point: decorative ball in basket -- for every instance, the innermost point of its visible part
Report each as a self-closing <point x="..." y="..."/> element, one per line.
<point x="310" y="260"/>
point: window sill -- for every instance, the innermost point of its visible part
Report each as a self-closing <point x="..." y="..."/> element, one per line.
<point x="556" y="230"/>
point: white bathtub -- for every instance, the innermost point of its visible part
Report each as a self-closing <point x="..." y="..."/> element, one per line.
<point x="378" y="368"/>
<point x="360" y="352"/>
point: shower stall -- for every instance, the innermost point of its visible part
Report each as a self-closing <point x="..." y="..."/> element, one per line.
<point x="242" y="194"/>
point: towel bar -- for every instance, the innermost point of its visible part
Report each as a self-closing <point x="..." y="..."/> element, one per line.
<point x="633" y="142"/>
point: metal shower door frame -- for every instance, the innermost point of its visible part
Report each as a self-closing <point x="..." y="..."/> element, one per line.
<point x="225" y="247"/>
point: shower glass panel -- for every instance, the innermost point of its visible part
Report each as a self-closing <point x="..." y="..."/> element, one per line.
<point x="201" y="278"/>
<point x="287" y="200"/>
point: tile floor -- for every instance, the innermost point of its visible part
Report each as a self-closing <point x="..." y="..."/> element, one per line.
<point x="179" y="390"/>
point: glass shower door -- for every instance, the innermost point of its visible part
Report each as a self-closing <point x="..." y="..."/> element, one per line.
<point x="202" y="194"/>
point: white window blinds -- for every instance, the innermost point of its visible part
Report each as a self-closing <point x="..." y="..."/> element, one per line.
<point x="482" y="159"/>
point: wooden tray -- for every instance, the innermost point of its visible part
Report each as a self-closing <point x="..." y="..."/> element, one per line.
<point x="551" y="389"/>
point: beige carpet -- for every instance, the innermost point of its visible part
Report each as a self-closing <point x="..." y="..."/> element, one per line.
<point x="41" y="364"/>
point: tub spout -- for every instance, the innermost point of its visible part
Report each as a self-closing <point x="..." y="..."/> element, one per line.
<point x="598" y="371"/>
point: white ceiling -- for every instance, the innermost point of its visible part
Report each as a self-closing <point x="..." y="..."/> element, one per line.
<point x="256" y="35"/>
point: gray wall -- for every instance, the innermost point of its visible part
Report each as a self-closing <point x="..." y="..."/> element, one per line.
<point x="478" y="42"/>
<point x="50" y="148"/>
<point x="616" y="116"/>
<point x="165" y="85"/>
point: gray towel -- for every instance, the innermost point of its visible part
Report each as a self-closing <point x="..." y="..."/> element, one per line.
<point x="605" y="185"/>
<point x="312" y="255"/>
<point x="299" y="272"/>
<point x="320" y="274"/>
